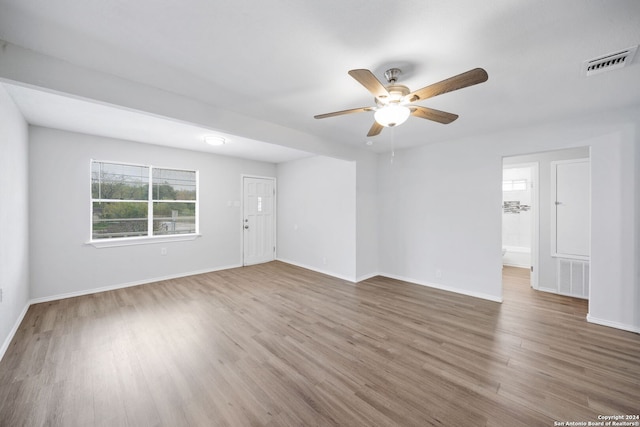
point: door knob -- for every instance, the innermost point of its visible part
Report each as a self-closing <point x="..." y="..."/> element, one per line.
<point x="246" y="227"/>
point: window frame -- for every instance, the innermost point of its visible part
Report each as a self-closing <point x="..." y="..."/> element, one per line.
<point x="149" y="238"/>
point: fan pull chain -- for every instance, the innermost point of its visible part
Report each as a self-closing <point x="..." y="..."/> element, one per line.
<point x="393" y="143"/>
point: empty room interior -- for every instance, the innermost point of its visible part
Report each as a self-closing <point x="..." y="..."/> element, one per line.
<point x="348" y="213"/>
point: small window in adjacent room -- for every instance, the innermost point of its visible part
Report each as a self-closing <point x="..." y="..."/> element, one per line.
<point x="514" y="185"/>
<point x="137" y="201"/>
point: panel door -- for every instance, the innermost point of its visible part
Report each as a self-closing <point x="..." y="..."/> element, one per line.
<point x="258" y="220"/>
<point x="572" y="206"/>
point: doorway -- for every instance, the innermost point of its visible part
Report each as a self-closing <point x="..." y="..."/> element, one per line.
<point x="556" y="264"/>
<point x="520" y="212"/>
<point x="258" y="219"/>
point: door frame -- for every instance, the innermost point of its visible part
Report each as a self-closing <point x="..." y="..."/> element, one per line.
<point x="275" y="213"/>
<point x="535" y="216"/>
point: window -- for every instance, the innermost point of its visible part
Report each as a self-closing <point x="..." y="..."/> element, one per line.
<point x="514" y="185"/>
<point x="134" y="201"/>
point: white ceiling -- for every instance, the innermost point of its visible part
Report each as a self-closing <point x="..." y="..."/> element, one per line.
<point x="63" y="112"/>
<point x="284" y="61"/>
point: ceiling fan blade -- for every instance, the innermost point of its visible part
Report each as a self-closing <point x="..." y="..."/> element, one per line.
<point x="375" y="129"/>
<point x="340" y="113"/>
<point x="431" y="114"/>
<point x="470" y="78"/>
<point x="371" y="83"/>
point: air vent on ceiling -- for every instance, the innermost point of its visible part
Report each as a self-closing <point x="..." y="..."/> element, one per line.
<point x="609" y="62"/>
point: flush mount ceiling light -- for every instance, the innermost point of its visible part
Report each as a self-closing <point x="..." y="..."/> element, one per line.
<point x="215" y="140"/>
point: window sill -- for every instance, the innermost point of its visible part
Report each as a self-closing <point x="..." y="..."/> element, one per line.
<point x="113" y="243"/>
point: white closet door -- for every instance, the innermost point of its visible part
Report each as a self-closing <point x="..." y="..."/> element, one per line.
<point x="572" y="209"/>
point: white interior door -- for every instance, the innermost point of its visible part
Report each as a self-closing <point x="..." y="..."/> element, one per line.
<point x="258" y="220"/>
<point x="572" y="209"/>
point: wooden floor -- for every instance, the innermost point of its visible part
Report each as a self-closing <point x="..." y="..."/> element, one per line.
<point x="277" y="345"/>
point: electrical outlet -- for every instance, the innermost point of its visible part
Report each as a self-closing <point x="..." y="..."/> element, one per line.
<point x="438" y="274"/>
<point x="163" y="251"/>
<point x="0" y="294"/>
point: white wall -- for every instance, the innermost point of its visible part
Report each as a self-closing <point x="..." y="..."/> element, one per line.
<point x="61" y="262"/>
<point x="317" y="215"/>
<point x="366" y="216"/>
<point x="440" y="207"/>
<point x="14" y="210"/>
<point x="547" y="267"/>
<point x="636" y="281"/>
<point x="440" y="210"/>
<point x="613" y="298"/>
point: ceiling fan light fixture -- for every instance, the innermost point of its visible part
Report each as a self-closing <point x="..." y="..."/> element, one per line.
<point x="215" y="140"/>
<point x="392" y="115"/>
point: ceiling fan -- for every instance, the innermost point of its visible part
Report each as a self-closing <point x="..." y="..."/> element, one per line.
<point x="395" y="103"/>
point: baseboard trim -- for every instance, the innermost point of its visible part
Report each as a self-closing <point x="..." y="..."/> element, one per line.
<point x="611" y="324"/>
<point x="509" y="264"/>
<point x="14" y="330"/>
<point x="555" y="292"/>
<point x="366" y="277"/>
<point x="127" y="285"/>
<point x="317" y="270"/>
<point x="444" y="287"/>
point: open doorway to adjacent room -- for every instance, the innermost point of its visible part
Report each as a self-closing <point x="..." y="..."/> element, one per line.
<point x="546" y="221"/>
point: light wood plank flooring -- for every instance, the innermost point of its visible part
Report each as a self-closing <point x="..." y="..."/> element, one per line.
<point x="277" y="345"/>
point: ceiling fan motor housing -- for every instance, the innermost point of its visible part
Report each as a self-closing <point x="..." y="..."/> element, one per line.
<point x="396" y="95"/>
